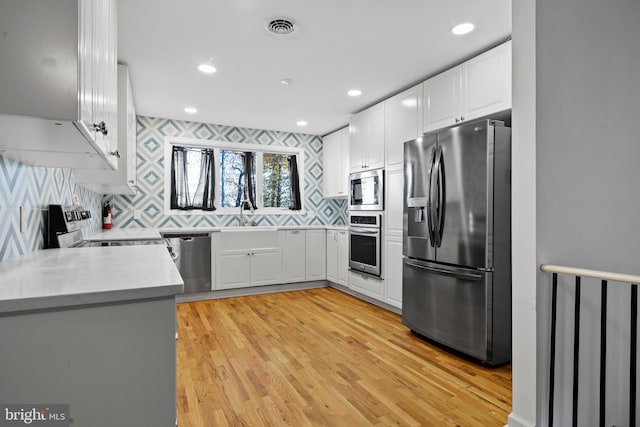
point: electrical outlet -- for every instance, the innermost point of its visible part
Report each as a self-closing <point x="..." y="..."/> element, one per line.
<point x="23" y="219"/>
<point x="137" y="214"/>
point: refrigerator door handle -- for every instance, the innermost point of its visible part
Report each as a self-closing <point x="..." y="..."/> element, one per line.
<point x="440" y="199"/>
<point x="465" y="275"/>
<point x="431" y="220"/>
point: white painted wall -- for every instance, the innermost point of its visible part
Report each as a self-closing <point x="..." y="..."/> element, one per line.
<point x="523" y="186"/>
<point x="584" y="175"/>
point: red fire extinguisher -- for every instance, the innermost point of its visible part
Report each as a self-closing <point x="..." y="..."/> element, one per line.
<point x="106" y="216"/>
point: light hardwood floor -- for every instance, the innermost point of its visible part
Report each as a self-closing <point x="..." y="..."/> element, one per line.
<point x="323" y="358"/>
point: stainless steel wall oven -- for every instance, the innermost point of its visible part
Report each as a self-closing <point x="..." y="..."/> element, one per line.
<point x="365" y="242"/>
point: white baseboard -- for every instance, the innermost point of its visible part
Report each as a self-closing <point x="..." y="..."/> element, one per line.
<point x="516" y="421"/>
<point x="257" y="290"/>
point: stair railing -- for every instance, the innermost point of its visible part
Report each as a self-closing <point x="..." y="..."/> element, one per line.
<point x="578" y="273"/>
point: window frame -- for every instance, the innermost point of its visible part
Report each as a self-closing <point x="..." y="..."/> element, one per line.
<point x="216" y="145"/>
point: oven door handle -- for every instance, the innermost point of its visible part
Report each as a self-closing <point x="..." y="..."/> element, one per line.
<point x="363" y="231"/>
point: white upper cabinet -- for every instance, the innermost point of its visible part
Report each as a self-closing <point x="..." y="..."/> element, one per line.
<point x="486" y="83"/>
<point x="476" y="88"/>
<point x="402" y="114"/>
<point x="442" y="100"/>
<point x="123" y="180"/>
<point x="336" y="163"/>
<point x="59" y="83"/>
<point x="366" y="131"/>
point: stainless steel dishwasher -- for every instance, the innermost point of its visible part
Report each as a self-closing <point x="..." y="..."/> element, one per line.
<point x="192" y="254"/>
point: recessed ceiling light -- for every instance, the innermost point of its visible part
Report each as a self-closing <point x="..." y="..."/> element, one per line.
<point x="301" y="123"/>
<point x="286" y="82"/>
<point x="207" y="68"/>
<point x="190" y="110"/>
<point x="354" y="92"/>
<point x="464" y="28"/>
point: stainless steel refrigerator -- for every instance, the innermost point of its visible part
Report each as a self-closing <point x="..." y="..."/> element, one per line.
<point x="457" y="239"/>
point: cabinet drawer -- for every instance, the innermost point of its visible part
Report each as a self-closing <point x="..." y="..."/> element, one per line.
<point x="366" y="285"/>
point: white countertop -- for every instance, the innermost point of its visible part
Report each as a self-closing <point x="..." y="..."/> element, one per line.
<point x="124" y="234"/>
<point x="54" y="278"/>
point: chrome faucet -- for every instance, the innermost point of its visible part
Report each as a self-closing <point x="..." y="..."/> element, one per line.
<point x="242" y="221"/>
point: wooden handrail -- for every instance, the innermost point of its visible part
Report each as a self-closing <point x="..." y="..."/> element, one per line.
<point x="602" y="275"/>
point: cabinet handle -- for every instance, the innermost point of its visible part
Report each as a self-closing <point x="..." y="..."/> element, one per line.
<point x="115" y="153"/>
<point x="101" y="127"/>
<point x="457" y="120"/>
<point x="248" y="253"/>
<point x="295" y="232"/>
<point x="131" y="181"/>
<point x="461" y="118"/>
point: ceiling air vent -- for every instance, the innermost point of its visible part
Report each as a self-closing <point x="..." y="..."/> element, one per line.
<point x="281" y="26"/>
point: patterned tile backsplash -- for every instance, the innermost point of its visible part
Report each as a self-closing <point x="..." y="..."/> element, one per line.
<point x="33" y="189"/>
<point x="150" y="197"/>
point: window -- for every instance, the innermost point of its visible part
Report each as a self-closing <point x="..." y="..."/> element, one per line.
<point x="276" y="190"/>
<point x="266" y="178"/>
<point x="192" y="178"/>
<point x="232" y="178"/>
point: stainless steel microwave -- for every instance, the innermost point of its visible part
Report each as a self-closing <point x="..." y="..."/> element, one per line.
<point x="366" y="190"/>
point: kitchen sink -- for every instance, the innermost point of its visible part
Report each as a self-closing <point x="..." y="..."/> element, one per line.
<point x="250" y="228"/>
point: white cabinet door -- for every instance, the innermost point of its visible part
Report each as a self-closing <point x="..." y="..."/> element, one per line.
<point x="332" y="256"/>
<point x="374" y="149"/>
<point x="442" y="100"/>
<point x="343" y="184"/>
<point x="393" y="275"/>
<point x="49" y="106"/>
<point x="366" y="139"/>
<point x="233" y="269"/>
<point x="358" y="131"/>
<point x="401" y="117"/>
<point x="343" y="258"/>
<point x="486" y="83"/>
<point x="266" y="266"/>
<point x="476" y="88"/>
<point x="294" y="256"/>
<point x="123" y="180"/>
<point x="394" y="202"/>
<point x="316" y="264"/>
<point x="367" y="285"/>
<point x="86" y="63"/>
<point x="336" y="163"/>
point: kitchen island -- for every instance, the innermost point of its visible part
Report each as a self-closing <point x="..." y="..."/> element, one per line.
<point x="93" y="328"/>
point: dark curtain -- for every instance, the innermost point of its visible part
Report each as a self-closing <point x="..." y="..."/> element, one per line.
<point x="294" y="202"/>
<point x="179" y="181"/>
<point x="204" y="195"/>
<point x="205" y="191"/>
<point x="250" y="186"/>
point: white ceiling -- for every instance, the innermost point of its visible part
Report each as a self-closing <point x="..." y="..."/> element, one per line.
<point x="378" y="46"/>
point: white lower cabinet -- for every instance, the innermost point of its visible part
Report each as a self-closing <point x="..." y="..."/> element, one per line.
<point x="343" y="258"/>
<point x="244" y="259"/>
<point x="233" y="269"/>
<point x="294" y="258"/>
<point x="338" y="257"/>
<point x="332" y="256"/>
<point x="393" y="271"/>
<point x="316" y="261"/>
<point x="265" y="266"/>
<point x="367" y="285"/>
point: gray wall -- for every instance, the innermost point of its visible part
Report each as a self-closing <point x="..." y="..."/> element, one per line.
<point x="588" y="202"/>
